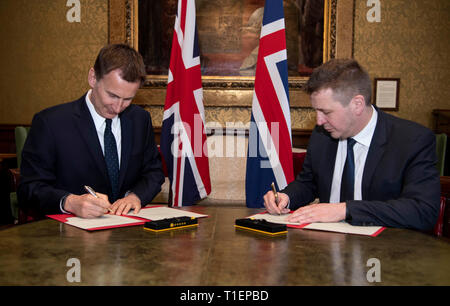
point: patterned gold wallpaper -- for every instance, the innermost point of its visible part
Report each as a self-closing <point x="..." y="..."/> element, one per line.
<point x="45" y="59"/>
<point x="411" y="43"/>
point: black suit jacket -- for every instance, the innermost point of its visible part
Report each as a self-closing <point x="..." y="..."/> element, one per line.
<point x="62" y="153"/>
<point x="400" y="184"/>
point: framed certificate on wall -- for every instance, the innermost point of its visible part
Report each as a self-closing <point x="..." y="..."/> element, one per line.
<point x="387" y="93"/>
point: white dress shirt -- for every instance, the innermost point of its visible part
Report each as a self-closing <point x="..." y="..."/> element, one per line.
<point x="100" y="124"/>
<point x="360" y="150"/>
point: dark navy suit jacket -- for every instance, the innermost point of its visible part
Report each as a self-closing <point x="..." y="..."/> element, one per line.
<point x="400" y="185"/>
<point x="62" y="153"/>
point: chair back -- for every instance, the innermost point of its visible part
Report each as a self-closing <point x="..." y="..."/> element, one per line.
<point x="20" y="133"/>
<point x="441" y="146"/>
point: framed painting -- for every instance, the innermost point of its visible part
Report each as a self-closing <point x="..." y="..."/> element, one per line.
<point x="228" y="33"/>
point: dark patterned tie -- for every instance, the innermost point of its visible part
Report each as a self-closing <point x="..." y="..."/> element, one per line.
<point x="348" y="175"/>
<point x="112" y="160"/>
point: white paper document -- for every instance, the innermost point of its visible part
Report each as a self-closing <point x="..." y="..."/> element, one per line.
<point x="344" y="227"/>
<point x="281" y="219"/>
<point x="339" y="227"/>
<point x="100" y="222"/>
<point x="159" y="213"/>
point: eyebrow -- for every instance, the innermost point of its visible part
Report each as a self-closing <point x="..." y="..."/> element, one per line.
<point x="322" y="109"/>
<point x="113" y="94"/>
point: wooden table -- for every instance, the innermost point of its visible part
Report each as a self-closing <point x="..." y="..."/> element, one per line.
<point x="216" y="253"/>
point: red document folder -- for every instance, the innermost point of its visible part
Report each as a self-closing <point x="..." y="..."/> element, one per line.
<point x="112" y="221"/>
<point x="97" y="223"/>
<point x="311" y="226"/>
<point x="337" y="227"/>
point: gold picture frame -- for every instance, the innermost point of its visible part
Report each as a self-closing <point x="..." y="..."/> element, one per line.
<point x="234" y="91"/>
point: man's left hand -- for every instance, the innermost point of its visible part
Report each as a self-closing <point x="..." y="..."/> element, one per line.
<point x="322" y="212"/>
<point x="124" y="205"/>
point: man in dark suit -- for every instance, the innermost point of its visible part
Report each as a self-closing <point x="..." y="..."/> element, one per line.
<point x="99" y="140"/>
<point x="365" y="166"/>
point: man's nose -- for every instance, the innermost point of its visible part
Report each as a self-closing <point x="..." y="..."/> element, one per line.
<point x="118" y="106"/>
<point x="320" y="118"/>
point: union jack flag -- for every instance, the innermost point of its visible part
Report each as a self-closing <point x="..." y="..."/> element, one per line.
<point x="183" y="135"/>
<point x="270" y="146"/>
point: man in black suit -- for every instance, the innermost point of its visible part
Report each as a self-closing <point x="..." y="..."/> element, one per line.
<point x="99" y="140"/>
<point x="365" y="166"/>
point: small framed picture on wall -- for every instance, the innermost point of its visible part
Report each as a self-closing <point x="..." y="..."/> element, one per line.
<point x="387" y="93"/>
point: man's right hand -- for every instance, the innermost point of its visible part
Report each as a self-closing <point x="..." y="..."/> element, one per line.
<point x="276" y="208"/>
<point x="87" y="206"/>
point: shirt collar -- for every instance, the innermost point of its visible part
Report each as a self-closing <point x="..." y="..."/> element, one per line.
<point x="365" y="136"/>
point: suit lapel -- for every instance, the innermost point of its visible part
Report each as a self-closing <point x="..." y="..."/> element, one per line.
<point x="86" y="127"/>
<point x="376" y="151"/>
<point x="127" y="143"/>
<point x="328" y="166"/>
<point x="324" y="158"/>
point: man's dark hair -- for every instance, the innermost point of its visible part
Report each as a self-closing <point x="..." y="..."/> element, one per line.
<point x="345" y="77"/>
<point x="123" y="57"/>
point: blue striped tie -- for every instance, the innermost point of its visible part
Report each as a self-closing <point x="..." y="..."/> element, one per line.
<point x="348" y="175"/>
<point x="112" y="160"/>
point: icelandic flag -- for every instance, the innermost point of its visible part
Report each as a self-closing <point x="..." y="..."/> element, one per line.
<point x="183" y="136"/>
<point x="269" y="156"/>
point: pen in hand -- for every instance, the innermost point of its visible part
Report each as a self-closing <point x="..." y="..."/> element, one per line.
<point x="93" y="193"/>
<point x="276" y="195"/>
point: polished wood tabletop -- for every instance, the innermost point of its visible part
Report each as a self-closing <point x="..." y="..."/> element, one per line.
<point x="215" y="253"/>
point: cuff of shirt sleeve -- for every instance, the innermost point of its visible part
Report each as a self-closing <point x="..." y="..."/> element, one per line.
<point x="62" y="202"/>
<point x="348" y="216"/>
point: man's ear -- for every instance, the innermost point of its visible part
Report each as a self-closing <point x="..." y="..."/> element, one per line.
<point x="358" y="104"/>
<point x="92" y="79"/>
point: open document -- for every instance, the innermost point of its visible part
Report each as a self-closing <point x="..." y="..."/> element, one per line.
<point x="156" y="212"/>
<point x="104" y="222"/>
<point x="339" y="227"/>
<point x="161" y="212"/>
